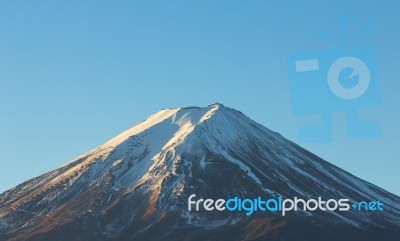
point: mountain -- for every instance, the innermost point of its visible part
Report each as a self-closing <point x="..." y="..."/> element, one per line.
<point x="136" y="187"/>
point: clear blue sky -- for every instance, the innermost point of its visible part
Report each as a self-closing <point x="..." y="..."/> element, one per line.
<point x="74" y="74"/>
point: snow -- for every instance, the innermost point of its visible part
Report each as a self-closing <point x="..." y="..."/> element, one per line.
<point x="142" y="126"/>
<point x="203" y="163"/>
<point x="151" y="151"/>
<point x="117" y="162"/>
<point x="242" y="166"/>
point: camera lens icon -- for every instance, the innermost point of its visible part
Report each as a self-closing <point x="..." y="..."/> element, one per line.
<point x="327" y="81"/>
<point x="359" y="68"/>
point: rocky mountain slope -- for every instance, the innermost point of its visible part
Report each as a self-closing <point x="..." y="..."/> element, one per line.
<point x="136" y="187"/>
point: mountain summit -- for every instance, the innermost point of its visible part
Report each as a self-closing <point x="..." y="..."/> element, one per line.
<point x="136" y="187"/>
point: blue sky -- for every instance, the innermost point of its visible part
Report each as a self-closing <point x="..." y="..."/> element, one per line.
<point x="74" y="74"/>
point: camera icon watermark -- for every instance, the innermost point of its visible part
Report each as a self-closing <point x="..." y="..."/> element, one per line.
<point x="342" y="79"/>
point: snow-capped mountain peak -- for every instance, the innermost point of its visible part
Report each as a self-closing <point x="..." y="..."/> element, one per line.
<point x="142" y="177"/>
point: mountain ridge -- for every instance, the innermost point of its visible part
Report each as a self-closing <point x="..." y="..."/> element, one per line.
<point x="131" y="183"/>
